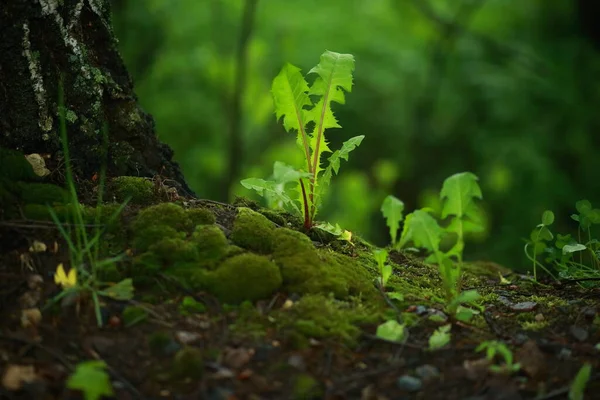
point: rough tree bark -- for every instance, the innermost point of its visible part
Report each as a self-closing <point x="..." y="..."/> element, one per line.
<point x="44" y="40"/>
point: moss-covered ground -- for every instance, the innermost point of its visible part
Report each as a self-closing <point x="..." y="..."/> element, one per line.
<point x="233" y="301"/>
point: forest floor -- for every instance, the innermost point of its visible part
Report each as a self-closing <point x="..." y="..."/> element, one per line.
<point x="188" y="345"/>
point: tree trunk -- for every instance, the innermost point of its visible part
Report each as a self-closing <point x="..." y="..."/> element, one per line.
<point x="46" y="41"/>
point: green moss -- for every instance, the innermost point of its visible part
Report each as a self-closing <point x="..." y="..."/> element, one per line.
<point x="139" y="190"/>
<point x="306" y="388"/>
<point x="167" y="214"/>
<point x="201" y="216"/>
<point x="249" y="323"/>
<point x="145" y="238"/>
<point x="320" y="316"/>
<point x="245" y="277"/>
<point x="274" y="216"/>
<point x="211" y="244"/>
<point x="187" y="363"/>
<point x="305" y="269"/>
<point x="174" y="250"/>
<point x="535" y="325"/>
<point x="253" y="231"/>
<point x="41" y="193"/>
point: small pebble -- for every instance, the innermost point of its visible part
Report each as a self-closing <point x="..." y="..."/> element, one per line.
<point x="427" y="372"/>
<point x="521" y="338"/>
<point x="297" y="361"/>
<point x="409" y="383"/>
<point x="564" y="354"/>
<point x="579" y="333"/>
<point x="524" y="306"/>
<point x="421" y="310"/>
<point x="589" y="312"/>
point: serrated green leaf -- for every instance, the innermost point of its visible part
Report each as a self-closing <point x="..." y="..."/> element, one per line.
<point x="91" y="378"/>
<point x="283" y="173"/>
<point x="392" y="331"/>
<point x="334" y="76"/>
<point x="392" y="209"/>
<point x="423" y="230"/>
<point x="290" y="97"/>
<point x="380" y="255"/>
<point x="459" y="190"/>
<point x="272" y="189"/>
<point x="342" y="154"/>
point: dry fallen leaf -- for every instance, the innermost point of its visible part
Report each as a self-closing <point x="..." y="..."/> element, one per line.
<point x="16" y="375"/>
<point x="38" y="247"/>
<point x="38" y="164"/>
<point x="26" y="261"/>
<point x="237" y="358"/>
<point x="30" y="317"/>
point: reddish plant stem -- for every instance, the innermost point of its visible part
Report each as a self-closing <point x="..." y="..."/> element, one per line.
<point x="307" y="219"/>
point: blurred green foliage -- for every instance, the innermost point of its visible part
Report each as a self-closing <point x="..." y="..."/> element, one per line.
<point x="506" y="89"/>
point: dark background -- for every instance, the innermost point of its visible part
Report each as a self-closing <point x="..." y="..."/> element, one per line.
<point x="506" y="89"/>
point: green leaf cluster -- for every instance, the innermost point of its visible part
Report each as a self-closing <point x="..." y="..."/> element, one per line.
<point x="572" y="258"/>
<point x="461" y="214"/>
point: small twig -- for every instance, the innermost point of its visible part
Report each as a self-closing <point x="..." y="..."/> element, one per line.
<point x="31" y="224"/>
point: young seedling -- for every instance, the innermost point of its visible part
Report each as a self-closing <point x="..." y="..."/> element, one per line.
<point x="493" y="348"/>
<point x="538" y="240"/>
<point x="440" y="337"/>
<point x="459" y="193"/>
<point x="293" y="101"/>
<point x="587" y="217"/>
<point x="385" y="270"/>
<point x="392" y="209"/>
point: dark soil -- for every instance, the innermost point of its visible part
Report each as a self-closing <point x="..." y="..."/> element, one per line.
<point x="240" y="365"/>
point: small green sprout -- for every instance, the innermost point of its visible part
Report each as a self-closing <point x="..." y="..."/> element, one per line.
<point x="440" y="337"/>
<point x="91" y="378"/>
<point x="493" y="348"/>
<point x="385" y="270"/>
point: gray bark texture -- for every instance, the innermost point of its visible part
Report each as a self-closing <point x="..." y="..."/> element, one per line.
<point x="44" y="41"/>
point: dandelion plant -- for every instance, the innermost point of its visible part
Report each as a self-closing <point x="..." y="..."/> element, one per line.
<point x="306" y="111"/>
